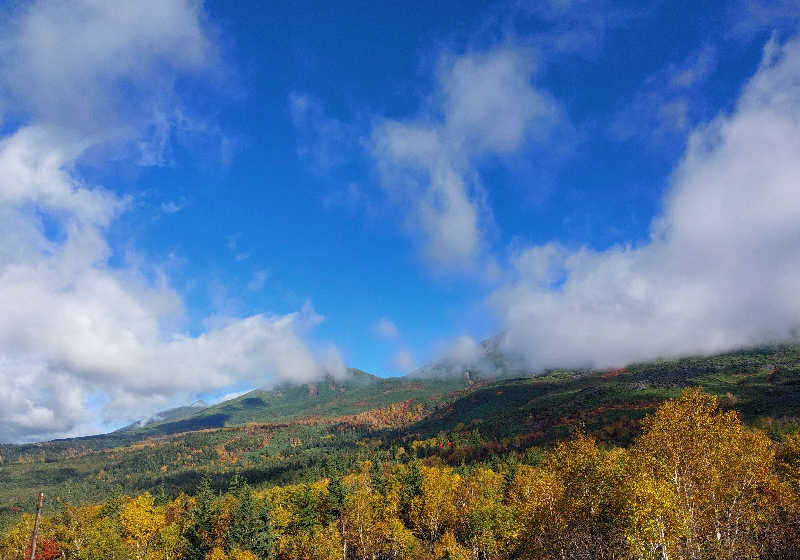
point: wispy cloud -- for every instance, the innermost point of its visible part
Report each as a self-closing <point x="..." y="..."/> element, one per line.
<point x="258" y="280"/>
<point x="669" y="103"/>
<point x="757" y="16"/>
<point x="323" y="142"/>
<point x="577" y="26"/>
<point x="172" y="207"/>
<point x="232" y="242"/>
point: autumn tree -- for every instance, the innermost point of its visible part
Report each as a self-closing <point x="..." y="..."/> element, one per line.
<point x="703" y="482"/>
<point x="141" y="521"/>
<point x="433" y="511"/>
<point x="483" y="520"/>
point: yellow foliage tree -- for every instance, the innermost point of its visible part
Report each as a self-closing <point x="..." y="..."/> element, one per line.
<point x="483" y="521"/>
<point x="216" y="553"/>
<point x="238" y="554"/>
<point x="141" y="521"/>
<point x="321" y="543"/>
<point x="703" y="482"/>
<point x="434" y="510"/>
<point x="448" y="548"/>
<point x="536" y="496"/>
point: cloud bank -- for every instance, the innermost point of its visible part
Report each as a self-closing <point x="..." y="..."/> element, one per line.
<point x="721" y="268"/>
<point x="83" y="81"/>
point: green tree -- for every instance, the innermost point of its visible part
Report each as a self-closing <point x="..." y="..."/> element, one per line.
<point x="200" y="532"/>
<point x="251" y="528"/>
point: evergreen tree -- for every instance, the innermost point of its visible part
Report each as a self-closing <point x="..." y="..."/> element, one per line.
<point x="305" y="505"/>
<point x="162" y="498"/>
<point x="335" y="499"/>
<point x="200" y="531"/>
<point x="411" y="482"/>
<point x="251" y="528"/>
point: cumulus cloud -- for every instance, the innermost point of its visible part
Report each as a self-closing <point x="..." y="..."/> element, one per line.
<point x="79" y="55"/>
<point x="484" y="104"/>
<point x="720" y="268"/>
<point x="386" y="329"/>
<point x="87" y="79"/>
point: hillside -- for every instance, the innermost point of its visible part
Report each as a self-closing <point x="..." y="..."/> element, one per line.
<point x="303" y="432"/>
<point x="330" y="397"/>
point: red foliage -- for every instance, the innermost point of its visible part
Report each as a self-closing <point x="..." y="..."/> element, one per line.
<point x="46" y="549"/>
<point x="613" y="373"/>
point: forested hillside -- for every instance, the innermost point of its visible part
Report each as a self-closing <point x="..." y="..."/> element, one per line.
<point x="695" y="483"/>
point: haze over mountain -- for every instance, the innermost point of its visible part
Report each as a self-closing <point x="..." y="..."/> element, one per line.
<point x="202" y="198"/>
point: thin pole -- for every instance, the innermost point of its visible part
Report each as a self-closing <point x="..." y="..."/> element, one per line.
<point x="36" y="525"/>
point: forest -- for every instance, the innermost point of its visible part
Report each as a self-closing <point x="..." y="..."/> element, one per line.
<point x="694" y="483"/>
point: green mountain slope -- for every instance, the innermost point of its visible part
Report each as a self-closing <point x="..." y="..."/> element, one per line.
<point x="357" y="392"/>
<point x="762" y="384"/>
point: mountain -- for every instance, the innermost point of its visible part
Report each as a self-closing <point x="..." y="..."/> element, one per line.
<point x="443" y="413"/>
<point x="353" y="393"/>
<point x="171" y="414"/>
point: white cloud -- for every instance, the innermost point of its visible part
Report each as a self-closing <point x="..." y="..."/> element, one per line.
<point x="720" y="268"/>
<point x="463" y="350"/>
<point x="333" y="363"/>
<point x="484" y="104"/>
<point x="101" y="67"/>
<point x="89" y="80"/>
<point x="403" y="360"/>
<point x="102" y="329"/>
<point x="386" y="329"/>
<point x="34" y="161"/>
<point x="231" y="396"/>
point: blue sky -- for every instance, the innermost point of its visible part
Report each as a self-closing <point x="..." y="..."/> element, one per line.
<point x="200" y="198"/>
